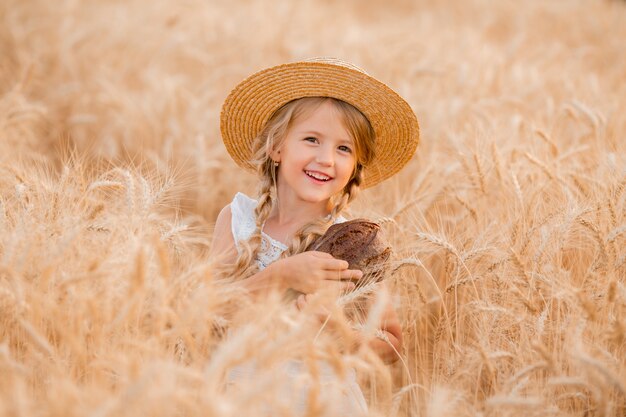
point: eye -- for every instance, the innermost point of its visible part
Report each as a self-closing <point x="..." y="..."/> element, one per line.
<point x="311" y="139"/>
<point x="345" y="148"/>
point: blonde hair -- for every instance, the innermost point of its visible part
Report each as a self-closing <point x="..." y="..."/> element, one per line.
<point x="271" y="138"/>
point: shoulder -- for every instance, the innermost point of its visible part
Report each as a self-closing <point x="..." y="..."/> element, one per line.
<point x="243" y="217"/>
<point x="222" y="224"/>
<point x="223" y="242"/>
<point x="242" y="205"/>
<point x="242" y="199"/>
<point x="224" y="217"/>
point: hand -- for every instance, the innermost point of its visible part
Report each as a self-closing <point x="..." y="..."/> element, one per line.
<point x="307" y="272"/>
<point x="319" y="305"/>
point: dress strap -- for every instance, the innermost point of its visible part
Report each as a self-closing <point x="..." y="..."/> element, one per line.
<point x="242" y="224"/>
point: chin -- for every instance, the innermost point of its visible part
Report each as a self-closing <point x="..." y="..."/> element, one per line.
<point x="314" y="197"/>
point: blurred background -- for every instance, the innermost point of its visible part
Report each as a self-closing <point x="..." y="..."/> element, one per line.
<point x="133" y="79"/>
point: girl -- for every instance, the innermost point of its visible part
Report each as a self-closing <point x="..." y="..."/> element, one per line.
<point x="315" y="132"/>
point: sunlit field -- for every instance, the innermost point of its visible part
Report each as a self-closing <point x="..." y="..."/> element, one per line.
<point x="508" y="226"/>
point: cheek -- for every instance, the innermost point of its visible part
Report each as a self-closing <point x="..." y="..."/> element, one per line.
<point x="293" y="165"/>
<point x="347" y="173"/>
<point x="350" y="167"/>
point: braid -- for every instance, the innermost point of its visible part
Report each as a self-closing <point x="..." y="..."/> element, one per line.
<point x="349" y="194"/>
<point x="268" y="138"/>
<point x="245" y="264"/>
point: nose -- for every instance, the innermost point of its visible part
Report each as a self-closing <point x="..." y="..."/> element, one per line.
<point x="325" y="156"/>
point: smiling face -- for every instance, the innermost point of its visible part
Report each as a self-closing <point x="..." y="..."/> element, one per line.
<point x="317" y="156"/>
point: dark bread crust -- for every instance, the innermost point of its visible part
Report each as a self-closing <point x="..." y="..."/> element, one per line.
<point x="361" y="243"/>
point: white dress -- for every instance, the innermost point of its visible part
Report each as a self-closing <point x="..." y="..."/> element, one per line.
<point x="243" y="225"/>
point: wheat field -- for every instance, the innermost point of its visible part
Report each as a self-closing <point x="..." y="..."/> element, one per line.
<point x="508" y="226"/>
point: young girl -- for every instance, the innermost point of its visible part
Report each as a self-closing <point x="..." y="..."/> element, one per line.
<point x="315" y="132"/>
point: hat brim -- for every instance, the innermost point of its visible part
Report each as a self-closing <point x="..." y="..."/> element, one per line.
<point x="251" y="104"/>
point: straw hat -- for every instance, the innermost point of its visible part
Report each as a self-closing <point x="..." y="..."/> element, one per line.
<point x="251" y="104"/>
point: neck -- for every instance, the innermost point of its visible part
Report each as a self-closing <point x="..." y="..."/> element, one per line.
<point x="292" y="211"/>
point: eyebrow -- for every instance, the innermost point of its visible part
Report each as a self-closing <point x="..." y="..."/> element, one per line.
<point x="316" y="133"/>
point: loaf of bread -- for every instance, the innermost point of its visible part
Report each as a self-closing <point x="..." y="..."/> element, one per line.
<point x="361" y="243"/>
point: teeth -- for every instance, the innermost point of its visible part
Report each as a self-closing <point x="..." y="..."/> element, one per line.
<point x="317" y="176"/>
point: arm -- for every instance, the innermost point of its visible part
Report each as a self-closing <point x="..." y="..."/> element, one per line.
<point x="223" y="244"/>
<point x="224" y="251"/>
<point x="303" y="272"/>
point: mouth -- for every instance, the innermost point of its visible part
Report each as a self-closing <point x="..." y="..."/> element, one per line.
<point x="318" y="176"/>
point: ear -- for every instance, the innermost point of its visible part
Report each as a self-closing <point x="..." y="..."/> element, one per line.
<point x="275" y="155"/>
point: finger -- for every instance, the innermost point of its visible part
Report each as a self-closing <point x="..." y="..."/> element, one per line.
<point x="334" y="288"/>
<point x="324" y="312"/>
<point x="335" y="265"/>
<point x="333" y="284"/>
<point x="301" y="301"/>
<point x="351" y="274"/>
<point x="323" y="255"/>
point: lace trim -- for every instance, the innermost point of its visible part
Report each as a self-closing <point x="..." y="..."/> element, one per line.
<point x="271" y="253"/>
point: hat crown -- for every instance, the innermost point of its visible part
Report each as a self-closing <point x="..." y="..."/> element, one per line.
<point x="336" y="61"/>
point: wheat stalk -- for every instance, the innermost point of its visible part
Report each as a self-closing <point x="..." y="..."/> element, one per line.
<point x="522" y="373"/>
<point x="469" y="172"/>
<point x="573" y="151"/>
<point x="469" y="255"/>
<point x="619" y="192"/>
<point x="104" y="184"/>
<point x="613" y="234"/>
<point x="554" y="149"/>
<point x="481" y="174"/>
<point x="129" y="184"/>
<point x="598" y="237"/>
<point x="384" y="220"/>
<point x="406" y="207"/>
<point x="37" y="339"/>
<point x="439" y="242"/>
<point x="174" y="230"/>
<point x="518" y="190"/>
<point x="3" y="214"/>
<point x="592" y="116"/>
<point x="498" y="162"/>
<point x="600" y="368"/>
<point x="519" y="265"/>
<point x="359" y="292"/>
<point x="500" y="355"/>
<point x="514" y="401"/>
<point x="568" y="381"/>
<point x="467" y="207"/>
<point x="8" y="362"/>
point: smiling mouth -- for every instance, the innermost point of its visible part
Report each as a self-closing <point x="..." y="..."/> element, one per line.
<point x="318" y="176"/>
